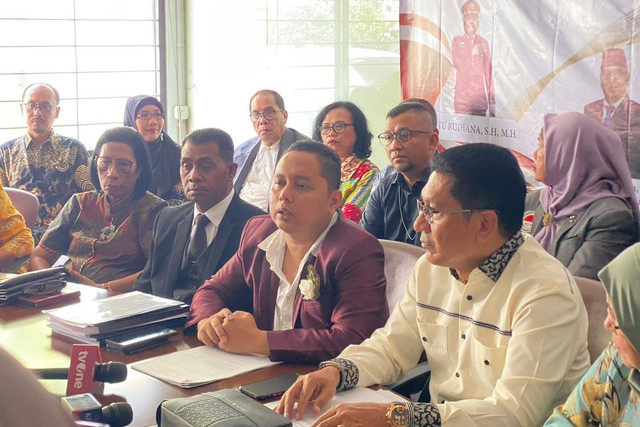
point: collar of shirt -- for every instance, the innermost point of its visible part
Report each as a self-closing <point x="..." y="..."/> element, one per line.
<point x="615" y="104"/>
<point x="215" y="215"/>
<point x="53" y="140"/>
<point x="494" y="266"/>
<point x="273" y="148"/>
<point x="399" y="179"/>
<point x="274" y="247"/>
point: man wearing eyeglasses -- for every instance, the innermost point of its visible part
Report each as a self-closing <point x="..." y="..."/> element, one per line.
<point x="49" y="165"/>
<point x="257" y="157"/>
<point x="616" y="110"/>
<point x="501" y="321"/>
<point x="410" y="142"/>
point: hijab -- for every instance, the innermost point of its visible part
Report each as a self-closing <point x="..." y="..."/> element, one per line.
<point x="584" y="163"/>
<point x="165" y="153"/>
<point x="621" y="281"/>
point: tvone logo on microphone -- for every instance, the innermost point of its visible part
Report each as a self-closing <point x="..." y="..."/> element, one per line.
<point x="80" y="369"/>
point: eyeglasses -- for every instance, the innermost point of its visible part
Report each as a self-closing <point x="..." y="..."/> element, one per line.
<point x="104" y="163"/>
<point x="268" y="114"/>
<point x="428" y="212"/>
<point x="147" y="116"/>
<point x="44" y="288"/>
<point x="43" y="106"/>
<point x="338" y="127"/>
<point x="403" y="135"/>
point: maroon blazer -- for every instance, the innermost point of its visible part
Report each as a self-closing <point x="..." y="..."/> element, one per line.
<point x="626" y="123"/>
<point x="352" y="302"/>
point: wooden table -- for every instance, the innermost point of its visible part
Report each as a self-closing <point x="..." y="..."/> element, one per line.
<point x="24" y="333"/>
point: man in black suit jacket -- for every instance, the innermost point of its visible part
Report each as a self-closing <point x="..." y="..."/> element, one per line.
<point x="192" y="241"/>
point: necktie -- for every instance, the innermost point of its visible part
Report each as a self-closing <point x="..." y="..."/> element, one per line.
<point x="609" y="112"/>
<point x="199" y="240"/>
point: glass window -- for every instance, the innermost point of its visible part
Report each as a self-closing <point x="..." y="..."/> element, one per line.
<point x="95" y="55"/>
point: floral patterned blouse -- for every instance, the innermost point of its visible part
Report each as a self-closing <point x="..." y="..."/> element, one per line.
<point x="356" y="182"/>
<point x="604" y="397"/>
<point x="15" y="236"/>
<point x="95" y="247"/>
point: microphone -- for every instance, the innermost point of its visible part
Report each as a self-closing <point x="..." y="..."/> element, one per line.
<point x="110" y="372"/>
<point x="85" y="407"/>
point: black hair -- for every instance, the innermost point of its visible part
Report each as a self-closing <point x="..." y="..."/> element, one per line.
<point x="212" y="136"/>
<point x="330" y="164"/>
<point x="362" y="147"/>
<point x="405" y="106"/>
<point x="56" y="95"/>
<point x="276" y="97"/>
<point x="485" y="176"/>
<point x="426" y="104"/>
<point x="133" y="139"/>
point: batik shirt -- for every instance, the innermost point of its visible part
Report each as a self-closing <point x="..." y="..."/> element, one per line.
<point x="97" y="248"/>
<point x="356" y="182"/>
<point x="53" y="172"/>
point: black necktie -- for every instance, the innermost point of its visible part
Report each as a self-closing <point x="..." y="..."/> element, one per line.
<point x="199" y="239"/>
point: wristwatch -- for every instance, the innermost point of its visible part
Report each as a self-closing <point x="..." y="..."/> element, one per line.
<point x="398" y="415"/>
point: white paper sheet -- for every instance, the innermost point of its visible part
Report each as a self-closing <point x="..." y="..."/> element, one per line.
<point x="356" y="395"/>
<point x="200" y="365"/>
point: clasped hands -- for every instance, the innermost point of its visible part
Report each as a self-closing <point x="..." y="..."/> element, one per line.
<point x="235" y="332"/>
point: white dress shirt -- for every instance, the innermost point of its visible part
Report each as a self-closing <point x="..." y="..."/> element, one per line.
<point x="215" y="215"/>
<point x="258" y="183"/>
<point x="274" y="246"/>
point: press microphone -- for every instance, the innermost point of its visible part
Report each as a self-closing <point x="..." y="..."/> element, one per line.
<point x="85" y="407"/>
<point x="110" y="372"/>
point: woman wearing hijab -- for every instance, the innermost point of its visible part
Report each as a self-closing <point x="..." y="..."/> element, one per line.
<point x="146" y="114"/>
<point x="609" y="393"/>
<point x="588" y="213"/>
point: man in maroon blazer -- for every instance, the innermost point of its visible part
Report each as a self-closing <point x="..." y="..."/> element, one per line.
<point x="617" y="111"/>
<point x="305" y="283"/>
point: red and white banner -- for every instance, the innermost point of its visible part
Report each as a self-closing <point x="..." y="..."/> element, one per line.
<point x="494" y="68"/>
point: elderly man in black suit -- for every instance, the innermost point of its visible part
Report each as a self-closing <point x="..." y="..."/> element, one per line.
<point x="192" y="241"/>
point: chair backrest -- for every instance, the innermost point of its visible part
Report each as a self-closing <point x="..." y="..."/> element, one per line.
<point x="26" y="203"/>
<point x="595" y="300"/>
<point x="399" y="259"/>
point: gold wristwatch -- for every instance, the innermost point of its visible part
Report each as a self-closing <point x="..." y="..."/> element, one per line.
<point x="398" y="415"/>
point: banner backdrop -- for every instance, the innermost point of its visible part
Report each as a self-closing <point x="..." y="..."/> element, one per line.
<point x="494" y="68"/>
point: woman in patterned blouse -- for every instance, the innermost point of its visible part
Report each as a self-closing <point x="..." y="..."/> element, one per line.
<point x="343" y="127"/>
<point x="107" y="233"/>
<point x="16" y="240"/>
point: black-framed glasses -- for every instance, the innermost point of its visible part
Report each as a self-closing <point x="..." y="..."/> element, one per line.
<point x="429" y="212"/>
<point x="44" y="288"/>
<point x="403" y="135"/>
<point x="147" y="116"/>
<point x="338" y="127"/>
<point x="268" y="114"/>
<point x="43" y="106"/>
<point x="104" y="163"/>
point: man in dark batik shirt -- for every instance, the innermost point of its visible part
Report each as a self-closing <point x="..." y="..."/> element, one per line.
<point x="51" y="166"/>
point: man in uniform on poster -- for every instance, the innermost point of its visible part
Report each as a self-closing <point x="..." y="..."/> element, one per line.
<point x="472" y="60"/>
<point x="617" y="111"/>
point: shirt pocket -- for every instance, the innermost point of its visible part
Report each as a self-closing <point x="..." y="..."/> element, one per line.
<point x="487" y="362"/>
<point x="435" y="341"/>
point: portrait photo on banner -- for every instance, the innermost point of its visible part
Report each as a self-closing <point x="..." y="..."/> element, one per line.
<point x="494" y="69"/>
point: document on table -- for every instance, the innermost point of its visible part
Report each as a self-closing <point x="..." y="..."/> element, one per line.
<point x="356" y="395"/>
<point x="200" y="365"/>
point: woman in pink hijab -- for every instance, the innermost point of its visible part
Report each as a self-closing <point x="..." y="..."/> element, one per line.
<point x="588" y="213"/>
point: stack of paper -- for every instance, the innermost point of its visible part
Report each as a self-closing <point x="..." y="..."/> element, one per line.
<point x="356" y="395"/>
<point x="94" y="321"/>
<point x="200" y="365"/>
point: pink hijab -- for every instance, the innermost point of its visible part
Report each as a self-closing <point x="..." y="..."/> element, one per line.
<point x="584" y="163"/>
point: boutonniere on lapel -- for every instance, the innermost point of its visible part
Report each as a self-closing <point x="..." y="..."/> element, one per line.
<point x="310" y="287"/>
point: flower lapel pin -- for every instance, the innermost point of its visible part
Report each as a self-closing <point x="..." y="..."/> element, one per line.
<point x="310" y="287"/>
